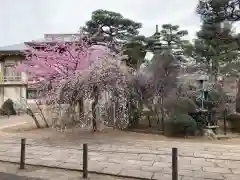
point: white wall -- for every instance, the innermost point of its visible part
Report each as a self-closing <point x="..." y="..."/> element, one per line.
<point x="12" y="92"/>
<point x="15" y="92"/>
<point x="1" y="95"/>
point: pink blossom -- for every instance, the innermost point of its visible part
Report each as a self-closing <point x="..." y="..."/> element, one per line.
<point x="56" y="63"/>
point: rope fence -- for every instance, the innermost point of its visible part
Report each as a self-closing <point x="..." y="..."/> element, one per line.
<point x="114" y="151"/>
<point x="85" y="151"/>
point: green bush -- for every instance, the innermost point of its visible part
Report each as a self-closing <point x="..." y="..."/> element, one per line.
<point x="7" y="108"/>
<point x="238" y="103"/>
<point x="180" y="125"/>
<point x="182" y="105"/>
<point x="234" y="119"/>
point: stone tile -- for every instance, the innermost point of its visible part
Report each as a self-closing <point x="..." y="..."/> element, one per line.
<point x="232" y="177"/>
<point x="44" y="162"/>
<point x="10" y="158"/>
<point x="167" y="170"/>
<point x="208" y="175"/>
<point x="185" y="172"/>
<point x="148" y="157"/>
<point x="231" y="164"/>
<point x="186" y="153"/>
<point x="235" y="170"/>
<point x="164" y="158"/>
<point x="117" y="161"/>
<point x="95" y="168"/>
<point x="49" y="158"/>
<point x="43" y="173"/>
<point x="191" y="178"/>
<point x="70" y="165"/>
<point x="101" y="165"/>
<point x="155" y="169"/>
<point x="131" y="162"/>
<point x="131" y="157"/>
<point x="201" y="162"/>
<point x="190" y="167"/>
<point x="112" y="169"/>
<point x="136" y="173"/>
<point x="184" y="160"/>
<point x="217" y="170"/>
<point x="73" y="160"/>
<point x="7" y="168"/>
<point x="160" y="176"/>
<point x="140" y="163"/>
<point x="161" y="164"/>
<point x="204" y="155"/>
<point x="36" y="153"/>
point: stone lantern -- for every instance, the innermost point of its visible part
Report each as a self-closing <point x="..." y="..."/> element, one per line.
<point x="204" y="92"/>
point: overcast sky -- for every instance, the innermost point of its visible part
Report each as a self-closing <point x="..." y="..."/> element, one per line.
<point x="25" y="20"/>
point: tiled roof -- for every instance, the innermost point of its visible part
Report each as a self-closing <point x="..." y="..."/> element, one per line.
<point x="48" y="38"/>
<point x="14" y="47"/>
<point x="60" y="37"/>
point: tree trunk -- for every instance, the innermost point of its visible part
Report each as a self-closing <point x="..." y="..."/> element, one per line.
<point x="138" y="113"/>
<point x="238" y="97"/>
<point x="29" y="112"/>
<point x="80" y="108"/>
<point x="135" y="111"/>
<point x="214" y="70"/>
<point x="42" y="116"/>
<point x="162" y="109"/>
<point x="94" y="104"/>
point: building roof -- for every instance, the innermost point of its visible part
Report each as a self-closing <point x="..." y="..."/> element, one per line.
<point x="14" y="47"/>
<point x="48" y="38"/>
<point x="60" y="37"/>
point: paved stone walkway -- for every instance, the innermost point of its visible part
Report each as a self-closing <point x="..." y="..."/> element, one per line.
<point x="139" y="159"/>
<point x="7" y="176"/>
<point x="9" y="171"/>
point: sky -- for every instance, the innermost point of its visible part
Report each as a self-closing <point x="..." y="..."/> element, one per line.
<point x="26" y="20"/>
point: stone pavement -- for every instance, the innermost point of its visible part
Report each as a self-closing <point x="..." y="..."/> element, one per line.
<point x="145" y="159"/>
<point x="7" y="176"/>
<point x="9" y="171"/>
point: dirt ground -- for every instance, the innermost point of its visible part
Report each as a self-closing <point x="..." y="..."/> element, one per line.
<point x="52" y="136"/>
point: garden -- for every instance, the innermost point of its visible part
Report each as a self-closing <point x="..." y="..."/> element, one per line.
<point x="111" y="76"/>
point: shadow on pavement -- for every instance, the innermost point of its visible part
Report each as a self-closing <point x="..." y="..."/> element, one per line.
<point x="7" y="176"/>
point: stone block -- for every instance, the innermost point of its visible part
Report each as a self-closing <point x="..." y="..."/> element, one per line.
<point x="217" y="170"/>
<point x="136" y="173"/>
<point x="158" y="176"/>
<point x="112" y="170"/>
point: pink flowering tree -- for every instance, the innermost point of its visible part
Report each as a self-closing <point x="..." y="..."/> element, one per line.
<point x="68" y="72"/>
<point x="51" y="64"/>
<point x="106" y="76"/>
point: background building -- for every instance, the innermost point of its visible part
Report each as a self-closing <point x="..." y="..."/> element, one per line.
<point x="15" y="85"/>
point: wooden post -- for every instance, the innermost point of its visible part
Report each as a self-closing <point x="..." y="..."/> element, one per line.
<point x="85" y="161"/>
<point x="174" y="164"/>
<point x="22" y="156"/>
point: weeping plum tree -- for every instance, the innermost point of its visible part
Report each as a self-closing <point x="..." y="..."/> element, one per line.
<point x="50" y="65"/>
<point x="109" y="75"/>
